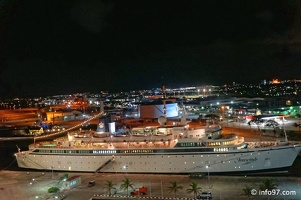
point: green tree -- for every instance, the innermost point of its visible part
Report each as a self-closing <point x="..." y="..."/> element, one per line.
<point x="247" y="191"/>
<point x="125" y="185"/>
<point x="109" y="186"/>
<point x="193" y="188"/>
<point x="53" y="190"/>
<point x="268" y="184"/>
<point x="63" y="178"/>
<point x="175" y="187"/>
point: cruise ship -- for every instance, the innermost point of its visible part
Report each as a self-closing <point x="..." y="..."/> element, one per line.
<point x="160" y="149"/>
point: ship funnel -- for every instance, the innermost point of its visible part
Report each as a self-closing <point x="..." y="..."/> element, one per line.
<point x="162" y="121"/>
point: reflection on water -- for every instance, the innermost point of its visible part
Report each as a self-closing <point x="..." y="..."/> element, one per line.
<point x="7" y="150"/>
<point x="11" y="132"/>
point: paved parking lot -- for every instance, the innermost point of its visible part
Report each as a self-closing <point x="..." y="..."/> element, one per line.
<point x="34" y="185"/>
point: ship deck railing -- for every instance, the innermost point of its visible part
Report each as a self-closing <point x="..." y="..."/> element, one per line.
<point x="262" y="144"/>
<point x="161" y="144"/>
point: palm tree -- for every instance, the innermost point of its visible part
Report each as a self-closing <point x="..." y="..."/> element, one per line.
<point x="53" y="190"/>
<point x="194" y="189"/>
<point x="109" y="186"/>
<point x="125" y="185"/>
<point x="247" y="191"/>
<point x="268" y="184"/>
<point x="64" y="177"/>
<point x="174" y="187"/>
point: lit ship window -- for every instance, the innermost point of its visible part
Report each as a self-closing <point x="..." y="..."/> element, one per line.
<point x="104" y="151"/>
<point x="220" y="149"/>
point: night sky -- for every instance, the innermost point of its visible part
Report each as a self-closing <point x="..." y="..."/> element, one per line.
<point x="70" y="46"/>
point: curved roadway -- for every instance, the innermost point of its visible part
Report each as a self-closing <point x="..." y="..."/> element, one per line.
<point x="48" y="136"/>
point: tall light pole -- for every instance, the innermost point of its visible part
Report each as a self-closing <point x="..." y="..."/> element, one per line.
<point x="53" y="117"/>
<point x="150" y="189"/>
<point x="299" y="116"/>
<point x="52" y="172"/>
<point x="161" y="189"/>
<point x="125" y="167"/>
<point x="207" y="167"/>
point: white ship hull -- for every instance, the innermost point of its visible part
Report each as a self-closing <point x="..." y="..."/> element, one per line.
<point x="191" y="160"/>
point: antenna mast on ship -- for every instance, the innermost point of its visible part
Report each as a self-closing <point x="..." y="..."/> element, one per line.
<point x="164" y="100"/>
<point x="285" y="135"/>
<point x="183" y="117"/>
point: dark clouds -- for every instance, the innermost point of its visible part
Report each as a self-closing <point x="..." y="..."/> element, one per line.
<point x="73" y="46"/>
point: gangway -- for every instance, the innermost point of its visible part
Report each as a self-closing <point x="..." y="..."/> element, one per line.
<point x="102" y="166"/>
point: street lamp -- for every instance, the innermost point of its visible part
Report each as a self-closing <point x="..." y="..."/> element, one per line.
<point x="207" y="167"/>
<point x="52" y="172"/>
<point x="125" y="167"/>
<point x="299" y="116"/>
<point x="161" y="189"/>
<point x="52" y="118"/>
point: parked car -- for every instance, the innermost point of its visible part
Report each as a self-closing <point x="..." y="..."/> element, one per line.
<point x="204" y="195"/>
<point x="91" y="183"/>
<point x="197" y="175"/>
<point x="139" y="191"/>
